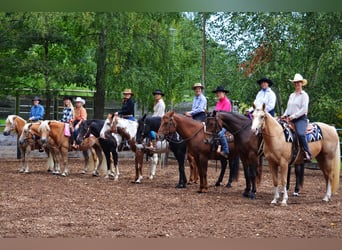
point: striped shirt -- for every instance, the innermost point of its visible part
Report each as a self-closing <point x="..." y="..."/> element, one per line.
<point x="199" y="104"/>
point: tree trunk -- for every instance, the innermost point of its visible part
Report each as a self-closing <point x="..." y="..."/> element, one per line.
<point x="47" y="82"/>
<point x="99" y="95"/>
<point x="204" y="19"/>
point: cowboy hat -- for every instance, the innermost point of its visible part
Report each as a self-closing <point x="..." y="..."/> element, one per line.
<point x="220" y="89"/>
<point x="197" y="85"/>
<point x="299" y="78"/>
<point x="264" y="79"/>
<point x="128" y="91"/>
<point x="158" y="92"/>
<point x="67" y="98"/>
<point x="79" y="99"/>
<point x="36" y="98"/>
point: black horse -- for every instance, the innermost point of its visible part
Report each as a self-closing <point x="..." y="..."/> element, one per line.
<point x="178" y="147"/>
<point x="176" y="144"/>
<point x="108" y="144"/>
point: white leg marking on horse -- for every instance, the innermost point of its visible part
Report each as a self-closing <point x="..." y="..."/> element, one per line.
<point x="139" y="179"/>
<point x="328" y="193"/>
<point x="276" y="196"/>
<point x="285" y="197"/>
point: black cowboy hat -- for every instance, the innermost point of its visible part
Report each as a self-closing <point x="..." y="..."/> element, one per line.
<point x="158" y="92"/>
<point x="67" y="98"/>
<point x="220" y="89"/>
<point x="36" y="98"/>
<point x="264" y="79"/>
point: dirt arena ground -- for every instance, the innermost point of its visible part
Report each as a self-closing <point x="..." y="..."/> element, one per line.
<point x="42" y="205"/>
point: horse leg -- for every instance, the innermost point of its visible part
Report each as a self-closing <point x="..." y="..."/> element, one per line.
<point x="283" y="170"/>
<point x="50" y="161"/>
<point x="180" y="156"/>
<point x="247" y="178"/>
<point x="274" y="172"/>
<point x="328" y="176"/>
<point x="86" y="162"/>
<point x="299" y="171"/>
<point x="23" y="163"/>
<point x="202" y="165"/>
<point x="289" y="178"/>
<point x="154" y="162"/>
<point x="139" y="159"/>
<point x="223" y="170"/>
<point x="107" y="155"/>
<point x="253" y="174"/>
<point x="99" y="155"/>
<point x="64" y="153"/>
<point x="116" y="165"/>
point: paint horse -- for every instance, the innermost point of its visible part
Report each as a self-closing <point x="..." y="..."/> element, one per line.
<point x="278" y="152"/>
<point x="127" y="130"/>
<point x="176" y="144"/>
<point x="193" y="133"/>
<point x="108" y="144"/>
<point x="15" y="124"/>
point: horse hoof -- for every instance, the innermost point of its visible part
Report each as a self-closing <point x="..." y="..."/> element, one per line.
<point x="252" y="196"/>
<point x="64" y="174"/>
<point x="283" y="204"/>
<point x="245" y="194"/>
<point x="274" y="202"/>
<point x="181" y="186"/>
<point x="296" y="194"/>
<point x="217" y="184"/>
<point x="83" y="172"/>
<point x="95" y="174"/>
<point x="151" y="177"/>
<point x="21" y="171"/>
<point x="325" y="199"/>
<point x="229" y="185"/>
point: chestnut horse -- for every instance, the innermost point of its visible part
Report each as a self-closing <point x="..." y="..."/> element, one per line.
<point x="15" y="124"/>
<point x="246" y="143"/>
<point x="279" y="152"/>
<point x="193" y="132"/>
<point x="52" y="135"/>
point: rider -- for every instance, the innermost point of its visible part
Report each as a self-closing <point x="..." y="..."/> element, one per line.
<point x="80" y="116"/>
<point x="223" y="104"/>
<point x="158" y="111"/>
<point x="127" y="108"/>
<point x="68" y="114"/>
<point x="297" y="110"/>
<point x="265" y="95"/>
<point x="37" y="110"/>
<point x="199" y="104"/>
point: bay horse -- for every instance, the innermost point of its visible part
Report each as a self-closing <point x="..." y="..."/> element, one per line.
<point x="279" y="152"/>
<point x="52" y="135"/>
<point x="126" y="129"/>
<point x="108" y="143"/>
<point x="15" y="124"/>
<point x="175" y="143"/>
<point x="246" y="144"/>
<point x="194" y="134"/>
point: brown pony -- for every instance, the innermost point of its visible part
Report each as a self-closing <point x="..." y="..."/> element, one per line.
<point x="193" y="132"/>
<point x="52" y="134"/>
<point x="279" y="152"/>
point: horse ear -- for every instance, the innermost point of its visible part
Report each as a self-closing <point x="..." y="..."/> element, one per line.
<point x="263" y="106"/>
<point x="254" y="107"/>
<point x="214" y="113"/>
<point x="172" y="113"/>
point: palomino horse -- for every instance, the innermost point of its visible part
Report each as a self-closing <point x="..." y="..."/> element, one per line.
<point x="15" y="124"/>
<point x="108" y="145"/>
<point x="194" y="134"/>
<point x="245" y="142"/>
<point x="52" y="135"/>
<point x="278" y="152"/>
<point x="127" y="129"/>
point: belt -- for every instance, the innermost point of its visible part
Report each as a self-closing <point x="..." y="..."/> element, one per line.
<point x="125" y="116"/>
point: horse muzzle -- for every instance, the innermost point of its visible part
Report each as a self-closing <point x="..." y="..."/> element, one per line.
<point x="6" y="133"/>
<point x="43" y="140"/>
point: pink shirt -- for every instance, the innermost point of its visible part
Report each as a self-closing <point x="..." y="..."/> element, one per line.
<point x="223" y="105"/>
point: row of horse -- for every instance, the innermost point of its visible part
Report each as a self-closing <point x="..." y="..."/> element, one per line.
<point x="189" y="139"/>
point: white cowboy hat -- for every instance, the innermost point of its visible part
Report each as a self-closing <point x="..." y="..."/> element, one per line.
<point x="198" y="85"/>
<point x="299" y="78"/>
<point x="79" y="99"/>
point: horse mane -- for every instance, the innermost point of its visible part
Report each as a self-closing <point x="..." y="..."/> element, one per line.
<point x="44" y="126"/>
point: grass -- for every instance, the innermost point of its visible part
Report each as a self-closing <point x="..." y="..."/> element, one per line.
<point x="2" y="124"/>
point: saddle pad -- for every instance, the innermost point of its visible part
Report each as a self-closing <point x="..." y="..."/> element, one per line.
<point x="316" y="133"/>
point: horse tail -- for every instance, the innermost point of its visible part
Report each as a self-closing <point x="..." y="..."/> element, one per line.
<point x="336" y="168"/>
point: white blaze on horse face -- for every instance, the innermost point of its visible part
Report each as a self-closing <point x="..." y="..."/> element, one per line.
<point x="258" y="117"/>
<point x="44" y="130"/>
<point x="24" y="134"/>
<point x="9" y="124"/>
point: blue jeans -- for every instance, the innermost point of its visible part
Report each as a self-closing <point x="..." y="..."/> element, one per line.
<point x="301" y="124"/>
<point x="223" y="141"/>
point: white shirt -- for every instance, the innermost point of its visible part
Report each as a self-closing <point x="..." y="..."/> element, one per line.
<point x="266" y="96"/>
<point x="159" y="108"/>
<point x="297" y="105"/>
